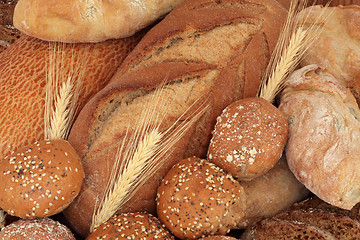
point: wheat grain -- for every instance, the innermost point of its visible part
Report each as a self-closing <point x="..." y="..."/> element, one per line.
<point x="293" y="43"/>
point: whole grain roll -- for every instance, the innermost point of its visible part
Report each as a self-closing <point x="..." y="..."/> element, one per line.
<point x="36" y="229"/>
<point x="24" y="67"/>
<point x="203" y="50"/>
<point x="8" y="33"/>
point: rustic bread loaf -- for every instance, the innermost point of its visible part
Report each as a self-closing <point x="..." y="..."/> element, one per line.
<point x="216" y="50"/>
<point x="23" y="70"/>
<point x="338" y="46"/>
<point x="8" y="33"/>
<point x="324" y="128"/>
<point x="87" y="21"/>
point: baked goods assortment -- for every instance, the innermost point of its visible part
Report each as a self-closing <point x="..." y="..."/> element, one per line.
<point x="208" y="158"/>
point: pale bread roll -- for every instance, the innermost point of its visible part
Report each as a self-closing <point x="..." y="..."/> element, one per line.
<point x="23" y="69"/>
<point x="324" y="126"/>
<point x="87" y="21"/>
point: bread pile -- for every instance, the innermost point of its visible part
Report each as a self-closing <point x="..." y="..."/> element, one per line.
<point x="219" y="163"/>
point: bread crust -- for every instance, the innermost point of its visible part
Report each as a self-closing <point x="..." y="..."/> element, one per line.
<point x="208" y="55"/>
<point x="323" y="147"/>
<point x="87" y="21"/>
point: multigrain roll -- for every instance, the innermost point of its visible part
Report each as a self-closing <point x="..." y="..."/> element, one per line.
<point x="40" y="180"/>
<point x="202" y="50"/>
<point x="36" y="229"/>
<point x="8" y="33"/>
<point x="196" y="198"/>
<point x="249" y="138"/>
<point x="131" y="226"/>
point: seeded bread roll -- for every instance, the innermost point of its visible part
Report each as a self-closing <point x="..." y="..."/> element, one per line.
<point x="204" y="49"/>
<point x="196" y="198"/>
<point x="249" y="138"/>
<point x="40" y="180"/>
<point x="131" y="226"/>
<point x="8" y="33"/>
<point x="324" y="128"/>
<point x="36" y="229"/>
<point x="87" y="21"/>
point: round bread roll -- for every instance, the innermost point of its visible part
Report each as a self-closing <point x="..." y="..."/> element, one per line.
<point x="131" y="226"/>
<point x="36" y="229"/>
<point x="196" y="198"/>
<point x="249" y="138"/>
<point x="41" y="179"/>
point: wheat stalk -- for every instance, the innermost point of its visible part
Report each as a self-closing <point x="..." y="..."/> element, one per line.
<point x="133" y="168"/>
<point x="294" y="41"/>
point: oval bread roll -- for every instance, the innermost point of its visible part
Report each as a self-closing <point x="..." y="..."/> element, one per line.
<point x="324" y="135"/>
<point x="87" y="21"/>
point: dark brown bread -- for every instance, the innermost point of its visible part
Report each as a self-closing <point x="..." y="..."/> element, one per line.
<point x="8" y="33"/>
<point x="217" y="49"/>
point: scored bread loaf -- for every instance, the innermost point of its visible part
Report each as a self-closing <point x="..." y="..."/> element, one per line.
<point x="24" y="67"/>
<point x="87" y="21"/>
<point x="216" y="50"/>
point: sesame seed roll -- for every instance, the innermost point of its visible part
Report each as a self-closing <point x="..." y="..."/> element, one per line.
<point x="249" y="138"/>
<point x="40" y="180"/>
<point x="137" y="226"/>
<point x="196" y="199"/>
<point x="36" y="229"/>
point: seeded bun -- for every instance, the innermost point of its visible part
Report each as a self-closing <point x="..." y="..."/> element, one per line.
<point x="196" y="198"/>
<point x="40" y="180"/>
<point x="131" y="226"/>
<point x="249" y="138"/>
<point x="36" y="229"/>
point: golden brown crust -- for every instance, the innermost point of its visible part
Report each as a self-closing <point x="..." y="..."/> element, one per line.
<point x="131" y="226"/>
<point x="196" y="198"/>
<point x="40" y="179"/>
<point x="87" y="21"/>
<point x="207" y="54"/>
<point x="36" y="229"/>
<point x="324" y="122"/>
<point x="249" y="138"/>
<point x="337" y="48"/>
<point x="23" y="69"/>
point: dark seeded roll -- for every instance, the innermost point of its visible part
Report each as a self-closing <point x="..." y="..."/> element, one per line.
<point x="40" y="180"/>
<point x="131" y="226"/>
<point x="36" y="229"/>
<point x="196" y="198"/>
<point x="249" y="138"/>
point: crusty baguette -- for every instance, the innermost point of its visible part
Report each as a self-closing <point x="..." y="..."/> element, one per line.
<point x="23" y="69"/>
<point x="204" y="48"/>
<point x="324" y="128"/>
<point x="87" y="21"/>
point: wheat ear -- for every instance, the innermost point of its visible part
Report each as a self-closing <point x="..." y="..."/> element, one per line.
<point x="63" y="81"/>
<point x="292" y="44"/>
<point x="133" y="168"/>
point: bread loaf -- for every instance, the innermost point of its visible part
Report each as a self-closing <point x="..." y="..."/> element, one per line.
<point x="87" y="21"/>
<point x="217" y="49"/>
<point x="8" y="33"/>
<point x="324" y="128"/>
<point x="338" y="46"/>
<point x="23" y="70"/>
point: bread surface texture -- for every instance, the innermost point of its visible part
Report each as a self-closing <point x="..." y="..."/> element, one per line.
<point x="213" y="51"/>
<point x="338" y="45"/>
<point x="324" y="131"/>
<point x="87" y="21"/>
<point x="25" y="70"/>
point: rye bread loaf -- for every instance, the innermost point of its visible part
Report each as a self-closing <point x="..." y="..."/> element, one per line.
<point x="8" y="33"/>
<point x="24" y="68"/>
<point x="217" y="49"/>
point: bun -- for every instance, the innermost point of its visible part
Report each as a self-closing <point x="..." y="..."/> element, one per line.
<point x="133" y="226"/>
<point x="271" y="193"/>
<point x="205" y="199"/>
<point x="40" y="180"/>
<point x="23" y="75"/>
<point x="249" y="138"/>
<point x="322" y="150"/>
<point x="87" y="21"/>
<point x="337" y="47"/>
<point x="217" y="49"/>
<point x="36" y="229"/>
